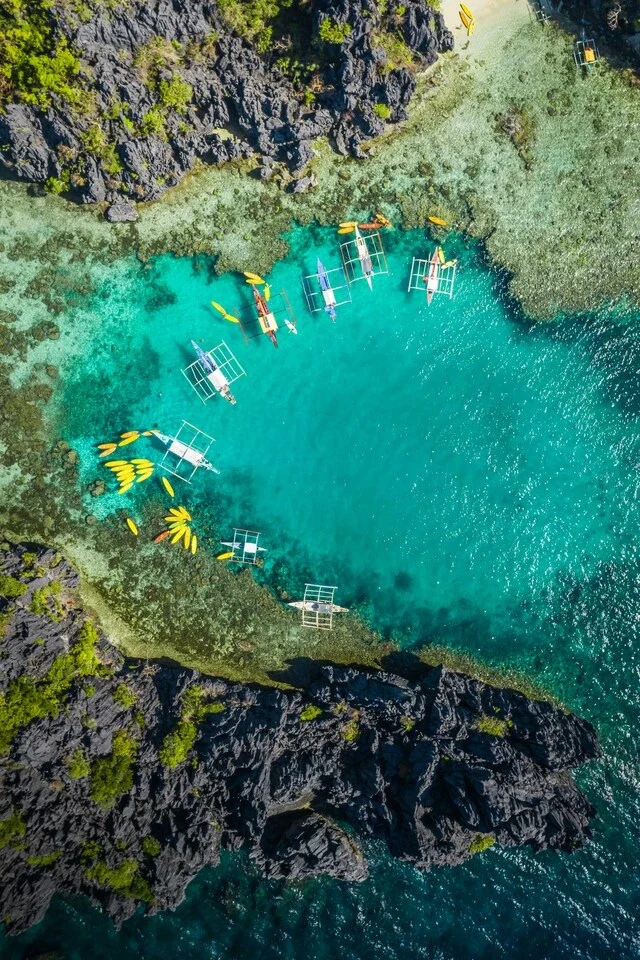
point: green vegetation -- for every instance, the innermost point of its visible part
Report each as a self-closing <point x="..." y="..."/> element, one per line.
<point x="84" y="652"/>
<point x="35" y="66"/>
<point x="152" y="124"/>
<point x="46" y="860"/>
<point x="194" y="706"/>
<point x="407" y="723"/>
<point x="175" y="93"/>
<point x="124" y="879"/>
<point x="61" y="184"/>
<point x="494" y="726"/>
<point x="382" y="110"/>
<point x="78" y="765"/>
<point x="91" y="850"/>
<point x="29" y="558"/>
<point x="178" y="743"/>
<point x="95" y="142"/>
<point x="310" y="712"/>
<point x="482" y="842"/>
<point x="332" y="32"/>
<point x="398" y="54"/>
<point x="10" y="588"/>
<point x="113" y="775"/>
<point x="156" y="55"/>
<point x="299" y="72"/>
<point x="45" y="603"/>
<point x="28" y="699"/>
<point x="150" y="846"/>
<point x="351" y="732"/>
<point x="12" y="830"/>
<point x="124" y="695"/>
<point x="252" y="18"/>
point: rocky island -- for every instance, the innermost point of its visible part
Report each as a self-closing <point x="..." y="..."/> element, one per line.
<point x="122" y="779"/>
<point x="107" y="101"/>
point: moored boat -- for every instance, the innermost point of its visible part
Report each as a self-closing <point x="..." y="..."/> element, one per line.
<point x="364" y="258"/>
<point x="328" y="295"/>
<point x="213" y="373"/>
<point x="268" y="322"/>
<point x="184" y="452"/>
<point x="313" y="606"/>
<point x="431" y="279"/>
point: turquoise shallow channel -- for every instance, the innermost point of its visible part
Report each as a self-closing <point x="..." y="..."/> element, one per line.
<point x="465" y="478"/>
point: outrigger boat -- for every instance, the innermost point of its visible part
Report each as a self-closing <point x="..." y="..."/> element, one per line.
<point x="313" y="606"/>
<point x="364" y="258"/>
<point x="185" y="452"/>
<point x="214" y="375"/>
<point x="431" y="280"/>
<point x="268" y="323"/>
<point x="328" y="295"/>
<point x="247" y="547"/>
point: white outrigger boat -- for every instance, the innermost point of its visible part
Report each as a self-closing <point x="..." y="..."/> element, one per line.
<point x="185" y="452"/>
<point x="315" y="606"/>
<point x="431" y="279"/>
<point x="326" y="289"/>
<point x="213" y="373"/>
<point x="364" y="258"/>
<point x="246" y="547"/>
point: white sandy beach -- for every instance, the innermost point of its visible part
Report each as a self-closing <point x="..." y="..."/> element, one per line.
<point x="492" y="17"/>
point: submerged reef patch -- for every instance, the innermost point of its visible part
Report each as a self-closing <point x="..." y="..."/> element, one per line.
<point x="94" y="802"/>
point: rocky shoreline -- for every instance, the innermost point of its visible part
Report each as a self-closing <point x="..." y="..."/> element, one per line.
<point x="150" y="89"/>
<point x="122" y="779"/>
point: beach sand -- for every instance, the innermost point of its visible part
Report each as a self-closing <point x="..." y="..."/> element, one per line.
<point x="493" y="19"/>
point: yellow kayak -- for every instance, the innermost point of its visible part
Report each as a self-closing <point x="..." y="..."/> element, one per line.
<point x="225" y="556"/>
<point x="187" y="538"/>
<point x="168" y="487"/>
<point x="125" y="487"/>
<point x="178" y="535"/>
<point x="465" y="9"/>
<point x="127" y="440"/>
<point x="439" y="222"/>
<point x="194" y="543"/>
<point x="132" y="526"/>
<point x="441" y="256"/>
<point x="115" y="463"/>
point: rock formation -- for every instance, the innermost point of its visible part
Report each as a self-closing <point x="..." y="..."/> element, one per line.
<point x="153" y="86"/>
<point x="122" y="779"/>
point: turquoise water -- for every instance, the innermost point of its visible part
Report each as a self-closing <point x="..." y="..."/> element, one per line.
<point x="465" y="478"/>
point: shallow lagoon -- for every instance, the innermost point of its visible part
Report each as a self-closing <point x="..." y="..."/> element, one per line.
<point x="466" y="478"/>
<point x="444" y="466"/>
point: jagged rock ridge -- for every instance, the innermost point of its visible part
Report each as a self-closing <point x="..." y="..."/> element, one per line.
<point x="135" y="775"/>
<point x="170" y="83"/>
